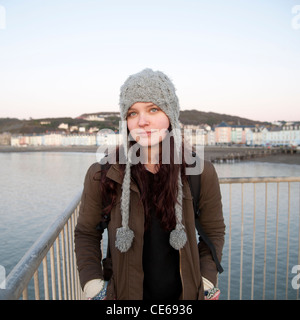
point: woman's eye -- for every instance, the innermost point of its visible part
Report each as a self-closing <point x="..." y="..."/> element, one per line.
<point x="153" y="110"/>
<point x="131" y="114"/>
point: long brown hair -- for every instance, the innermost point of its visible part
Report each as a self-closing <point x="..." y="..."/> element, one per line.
<point x="163" y="193"/>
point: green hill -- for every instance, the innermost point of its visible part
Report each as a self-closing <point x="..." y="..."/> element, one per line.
<point x="196" y="117"/>
<point x="193" y="117"/>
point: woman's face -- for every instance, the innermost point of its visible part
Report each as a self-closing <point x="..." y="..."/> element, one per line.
<point x="147" y="123"/>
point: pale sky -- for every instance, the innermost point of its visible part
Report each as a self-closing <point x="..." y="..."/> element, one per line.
<point x="62" y="58"/>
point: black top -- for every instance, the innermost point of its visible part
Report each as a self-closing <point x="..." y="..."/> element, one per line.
<point x="160" y="261"/>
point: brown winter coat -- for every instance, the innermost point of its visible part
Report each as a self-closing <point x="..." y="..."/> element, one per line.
<point x="127" y="280"/>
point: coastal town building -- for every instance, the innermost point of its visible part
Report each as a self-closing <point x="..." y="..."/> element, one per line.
<point x="285" y="135"/>
<point x="222" y="134"/>
<point x="100" y="116"/>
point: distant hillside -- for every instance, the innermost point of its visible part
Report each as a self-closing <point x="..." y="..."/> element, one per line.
<point x="194" y="117"/>
<point x="13" y="125"/>
<point x="10" y="124"/>
<point x="38" y="126"/>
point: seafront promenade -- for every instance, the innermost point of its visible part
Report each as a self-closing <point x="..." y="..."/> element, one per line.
<point x="217" y="154"/>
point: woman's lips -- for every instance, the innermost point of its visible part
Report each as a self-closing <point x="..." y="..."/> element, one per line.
<point x="145" y="133"/>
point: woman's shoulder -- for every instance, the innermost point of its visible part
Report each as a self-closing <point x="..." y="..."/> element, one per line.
<point x="209" y="171"/>
<point x="200" y="167"/>
<point x="94" y="168"/>
<point x="208" y="167"/>
<point x="103" y="167"/>
<point x="93" y="174"/>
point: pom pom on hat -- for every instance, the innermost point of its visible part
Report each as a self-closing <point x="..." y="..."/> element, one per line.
<point x="124" y="239"/>
<point x="178" y="238"/>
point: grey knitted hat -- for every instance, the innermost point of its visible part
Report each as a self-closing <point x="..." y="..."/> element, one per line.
<point x="156" y="87"/>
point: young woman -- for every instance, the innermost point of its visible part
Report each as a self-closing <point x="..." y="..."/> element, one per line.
<point x="152" y="240"/>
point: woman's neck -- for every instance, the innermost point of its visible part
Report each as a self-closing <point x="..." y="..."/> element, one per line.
<point x="152" y="156"/>
<point x="152" y="167"/>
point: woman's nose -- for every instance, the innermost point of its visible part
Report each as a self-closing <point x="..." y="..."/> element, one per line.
<point x="143" y="120"/>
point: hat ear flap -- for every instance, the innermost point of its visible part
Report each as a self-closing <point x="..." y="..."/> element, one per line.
<point x="178" y="236"/>
<point x="124" y="235"/>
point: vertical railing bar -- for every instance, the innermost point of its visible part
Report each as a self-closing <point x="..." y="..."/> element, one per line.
<point x="58" y="268"/>
<point x="78" y="279"/>
<point x="36" y="285"/>
<point x="52" y="273"/>
<point x="76" y="297"/>
<point x="76" y="275"/>
<point x="265" y="250"/>
<point x="73" y="216"/>
<point x="79" y="288"/>
<point x="45" y="276"/>
<point x="276" y="245"/>
<point x="63" y="253"/>
<point x="229" y="245"/>
<point x="25" y="294"/>
<point x="74" y="257"/>
<point x="242" y="240"/>
<point x="68" y="260"/>
<point x="288" y="241"/>
<point x="71" y="258"/>
<point x="253" y="242"/>
<point x="80" y="297"/>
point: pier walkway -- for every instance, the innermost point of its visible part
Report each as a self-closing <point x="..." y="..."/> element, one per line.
<point x="48" y="270"/>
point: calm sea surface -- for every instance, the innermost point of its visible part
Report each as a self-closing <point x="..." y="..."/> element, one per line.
<point x="36" y="187"/>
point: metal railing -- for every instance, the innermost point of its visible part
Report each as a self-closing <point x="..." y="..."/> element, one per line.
<point x="262" y="222"/>
<point x="55" y="248"/>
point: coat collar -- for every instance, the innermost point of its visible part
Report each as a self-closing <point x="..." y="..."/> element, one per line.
<point x="114" y="173"/>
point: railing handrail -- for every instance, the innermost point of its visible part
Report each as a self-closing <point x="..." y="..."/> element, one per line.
<point x="258" y="179"/>
<point x="22" y="273"/>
